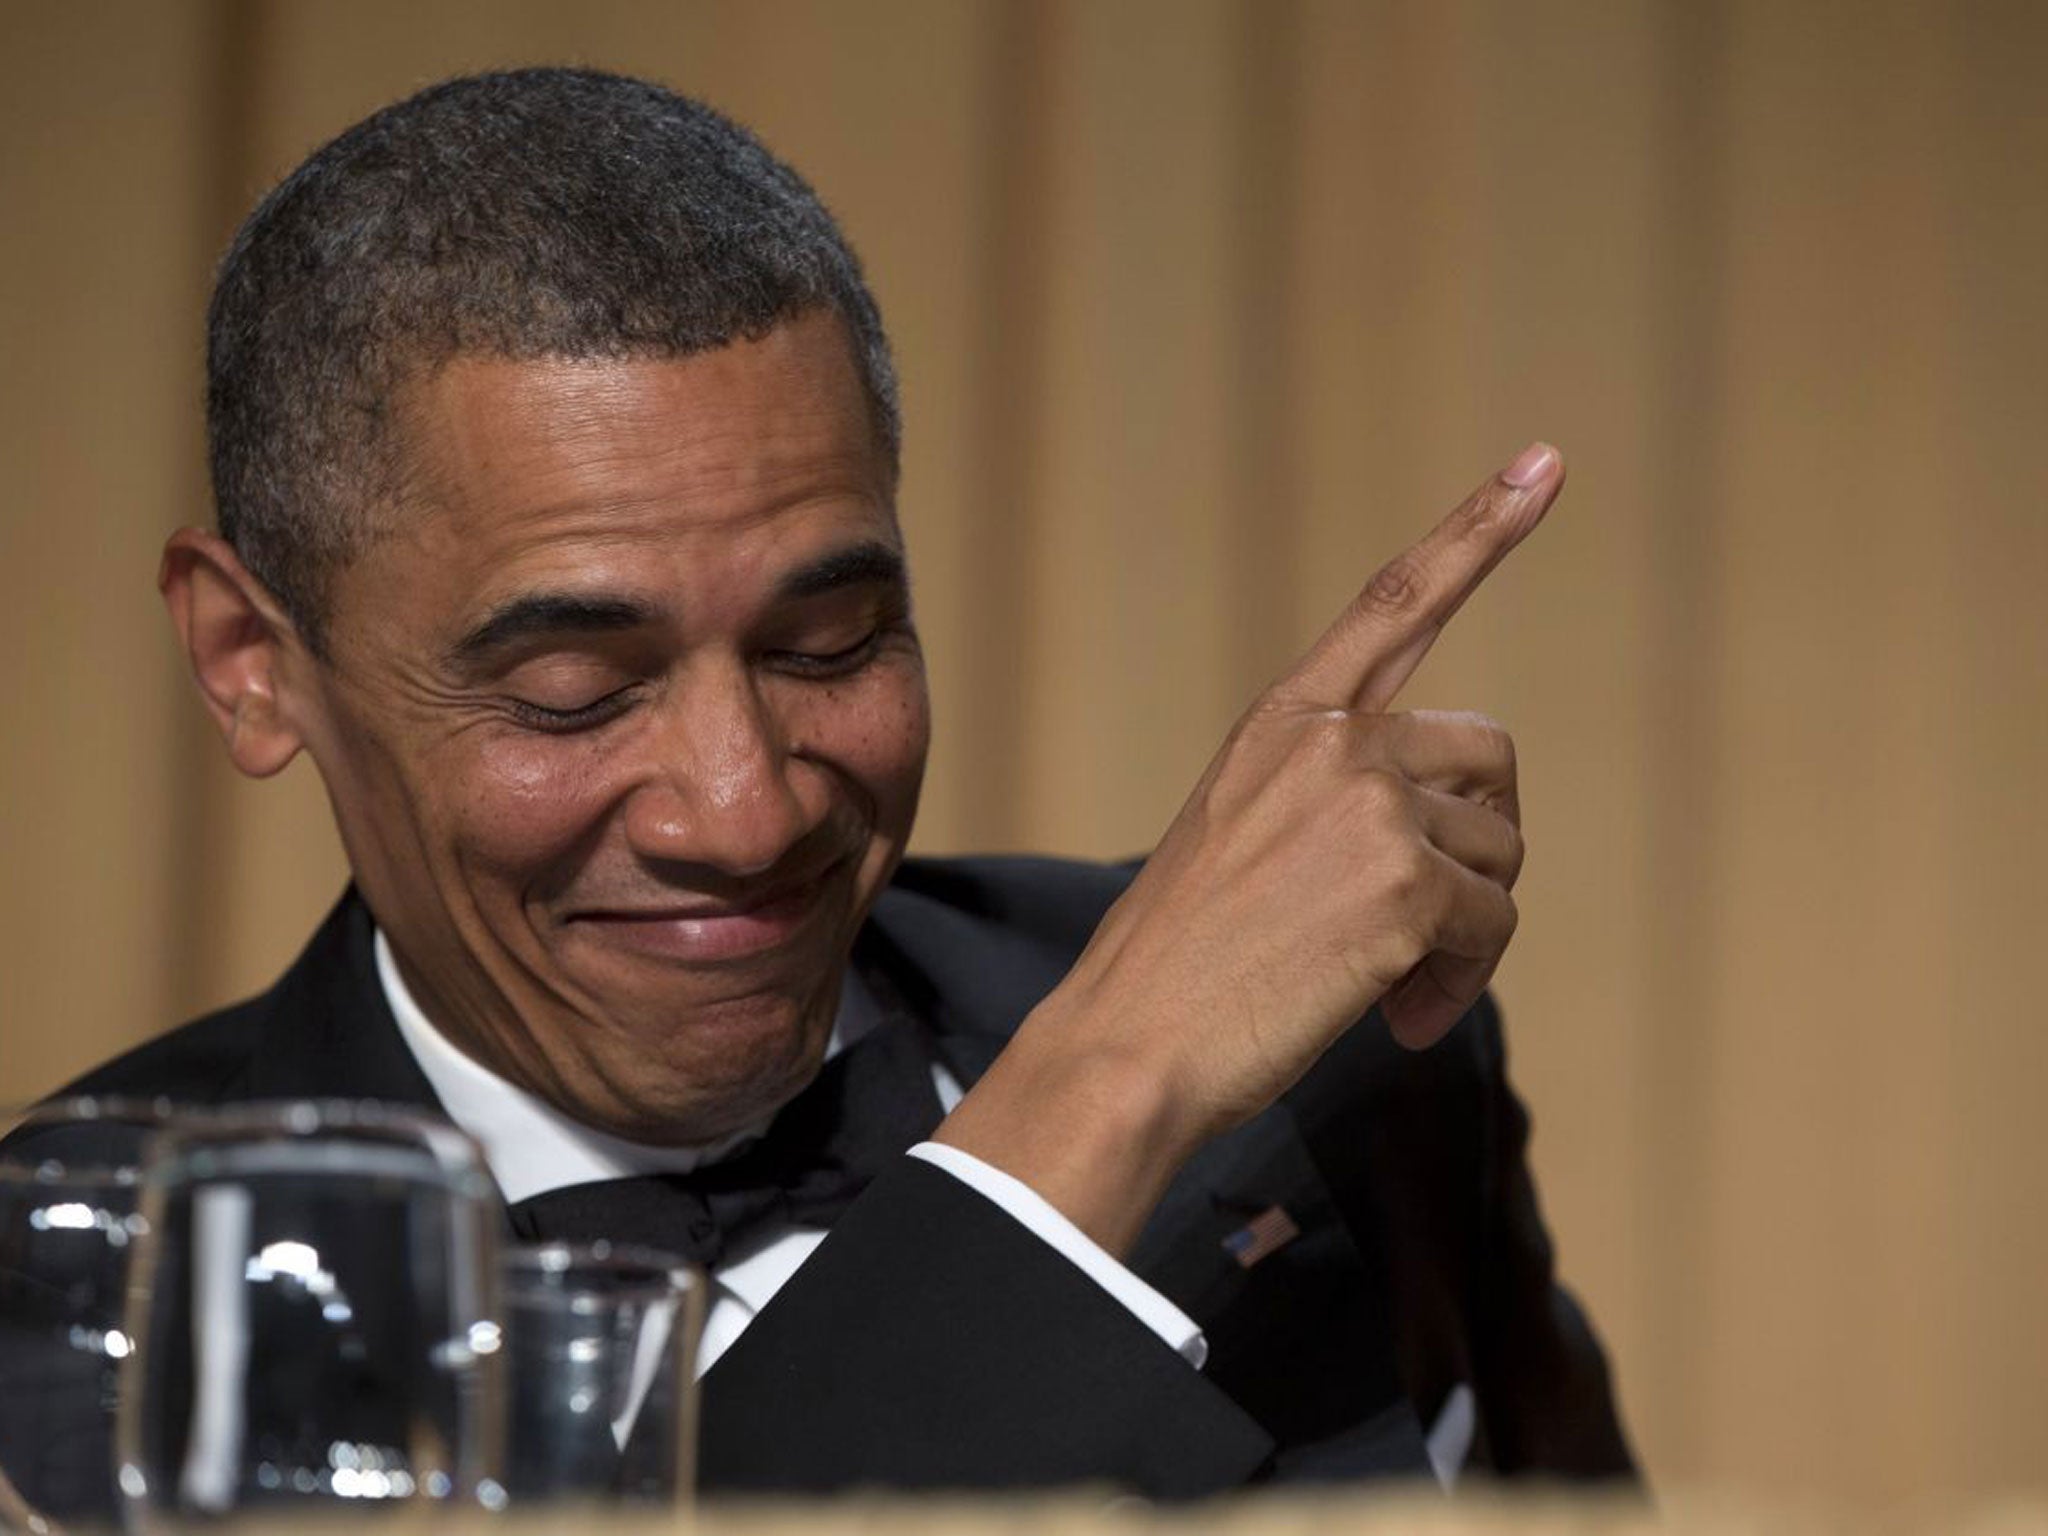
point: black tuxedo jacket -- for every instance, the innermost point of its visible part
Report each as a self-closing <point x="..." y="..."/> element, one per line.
<point x="933" y="1342"/>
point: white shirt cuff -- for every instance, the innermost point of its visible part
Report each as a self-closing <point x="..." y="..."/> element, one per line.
<point x="1175" y="1328"/>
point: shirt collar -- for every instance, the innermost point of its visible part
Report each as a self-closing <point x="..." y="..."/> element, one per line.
<point x="531" y="1146"/>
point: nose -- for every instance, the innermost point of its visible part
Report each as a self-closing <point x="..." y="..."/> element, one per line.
<point x="721" y="789"/>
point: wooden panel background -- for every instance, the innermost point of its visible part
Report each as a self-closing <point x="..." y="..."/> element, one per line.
<point x="1203" y="307"/>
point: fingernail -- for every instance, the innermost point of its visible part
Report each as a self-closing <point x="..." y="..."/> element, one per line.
<point x="1531" y="465"/>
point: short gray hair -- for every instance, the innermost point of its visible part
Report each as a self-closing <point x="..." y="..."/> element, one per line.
<point x="531" y="213"/>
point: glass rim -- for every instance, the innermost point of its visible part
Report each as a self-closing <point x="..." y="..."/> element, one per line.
<point x="150" y="1113"/>
<point x="596" y="1268"/>
<point x="331" y="1124"/>
<point x="312" y="1116"/>
<point x="150" y="1107"/>
<point x="54" y="1172"/>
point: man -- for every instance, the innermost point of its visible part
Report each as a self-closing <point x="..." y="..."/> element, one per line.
<point x="554" y="440"/>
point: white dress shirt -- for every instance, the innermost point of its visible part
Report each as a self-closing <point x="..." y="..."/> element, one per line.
<point x="532" y="1148"/>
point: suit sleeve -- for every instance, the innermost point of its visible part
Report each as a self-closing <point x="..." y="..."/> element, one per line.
<point x="1546" y="1401"/>
<point x="935" y="1342"/>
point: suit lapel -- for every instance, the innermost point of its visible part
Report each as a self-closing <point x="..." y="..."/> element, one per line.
<point x="967" y="983"/>
<point x="327" y="1032"/>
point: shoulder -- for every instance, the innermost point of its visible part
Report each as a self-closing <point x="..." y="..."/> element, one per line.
<point x="206" y="1062"/>
<point x="215" y="1058"/>
<point x="197" y="1063"/>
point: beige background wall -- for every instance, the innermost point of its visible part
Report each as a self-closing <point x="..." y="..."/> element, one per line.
<point x="1203" y="308"/>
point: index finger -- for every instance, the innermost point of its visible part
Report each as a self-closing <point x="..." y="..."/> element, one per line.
<point x="1362" y="660"/>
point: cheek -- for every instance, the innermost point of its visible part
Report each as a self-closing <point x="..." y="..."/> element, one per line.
<point x="521" y="806"/>
<point x="875" y="730"/>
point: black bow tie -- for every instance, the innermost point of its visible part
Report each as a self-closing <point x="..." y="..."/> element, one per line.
<point x="868" y="1105"/>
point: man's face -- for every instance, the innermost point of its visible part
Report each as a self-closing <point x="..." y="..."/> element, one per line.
<point x="624" y="725"/>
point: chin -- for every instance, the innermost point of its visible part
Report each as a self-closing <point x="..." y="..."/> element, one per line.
<point x="737" y="1064"/>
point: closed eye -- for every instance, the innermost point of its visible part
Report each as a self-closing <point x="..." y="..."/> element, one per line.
<point x="828" y="663"/>
<point x="542" y="717"/>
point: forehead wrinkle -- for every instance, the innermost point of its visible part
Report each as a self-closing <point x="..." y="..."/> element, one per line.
<point x="533" y="475"/>
<point x="593" y="501"/>
<point x="735" y="428"/>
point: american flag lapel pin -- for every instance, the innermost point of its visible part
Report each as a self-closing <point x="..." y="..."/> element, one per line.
<point x="1266" y="1233"/>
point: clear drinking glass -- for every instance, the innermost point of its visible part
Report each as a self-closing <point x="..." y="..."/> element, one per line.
<point x="68" y="1225"/>
<point x="600" y="1364"/>
<point x="313" y="1320"/>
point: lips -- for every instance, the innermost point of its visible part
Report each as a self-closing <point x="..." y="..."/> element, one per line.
<point x="702" y="931"/>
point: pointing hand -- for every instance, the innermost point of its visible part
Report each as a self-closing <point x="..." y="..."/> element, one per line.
<point x="1334" y="855"/>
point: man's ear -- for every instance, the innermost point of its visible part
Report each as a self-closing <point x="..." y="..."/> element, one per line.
<point x="242" y="647"/>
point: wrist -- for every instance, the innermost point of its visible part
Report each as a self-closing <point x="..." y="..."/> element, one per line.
<point x="1094" y="1129"/>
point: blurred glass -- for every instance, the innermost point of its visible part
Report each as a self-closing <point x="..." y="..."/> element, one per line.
<point x="68" y="1225"/>
<point x="600" y="1361"/>
<point x="313" y="1320"/>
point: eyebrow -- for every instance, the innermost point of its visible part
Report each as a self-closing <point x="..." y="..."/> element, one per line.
<point x="545" y="613"/>
<point x="870" y="563"/>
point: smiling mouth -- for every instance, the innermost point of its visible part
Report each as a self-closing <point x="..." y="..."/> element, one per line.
<point x="707" y="931"/>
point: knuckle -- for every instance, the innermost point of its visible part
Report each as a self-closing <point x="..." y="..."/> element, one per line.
<point x="1510" y="761"/>
<point x="1397" y="949"/>
<point x="1411" y="881"/>
<point x="1410" y="946"/>
<point x="1244" y="732"/>
<point x="1275" y="704"/>
<point x="1507" y="805"/>
<point x="1482" y="724"/>
<point x="1517" y="852"/>
<point x="1382" y="799"/>
<point x="1329" y="735"/>
<point x="1481" y="742"/>
<point x="1491" y="740"/>
<point x="1476" y="512"/>
<point x="1495" y="760"/>
<point x="1503" y="796"/>
<point x="1396" y="589"/>
<point x="1254" y="738"/>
